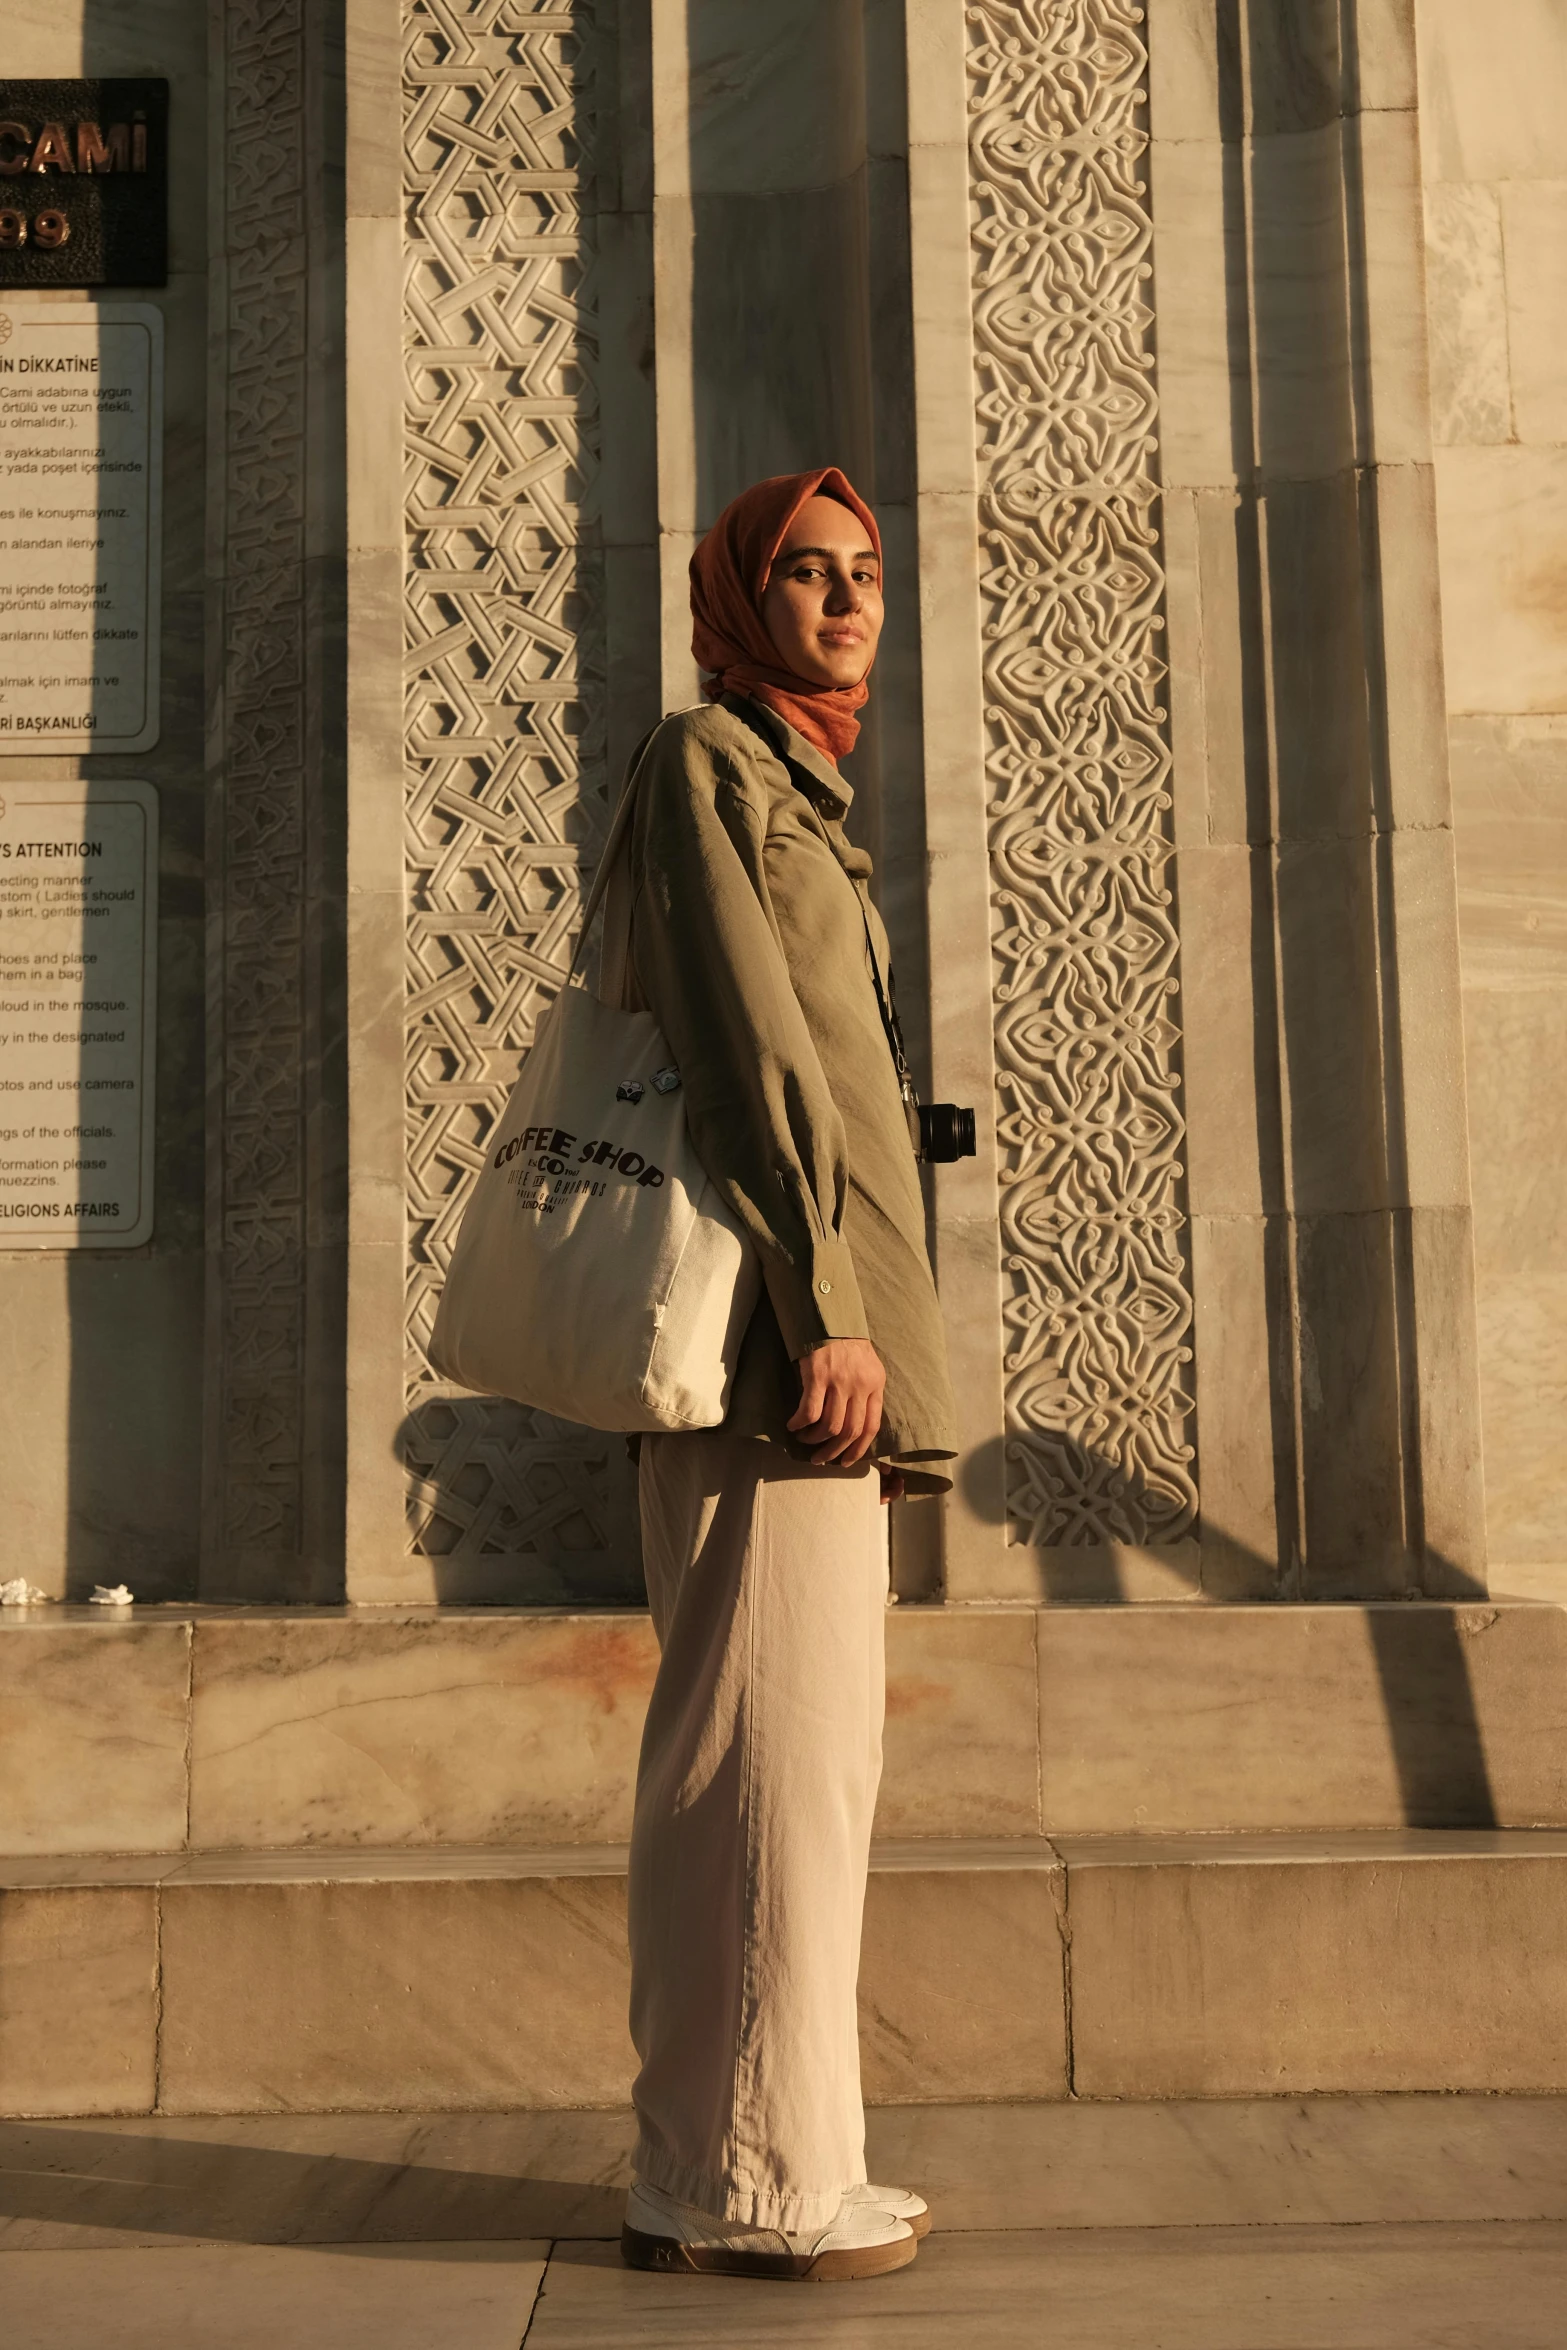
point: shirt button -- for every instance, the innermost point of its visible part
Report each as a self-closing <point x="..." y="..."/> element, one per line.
<point x="825" y="1287"/>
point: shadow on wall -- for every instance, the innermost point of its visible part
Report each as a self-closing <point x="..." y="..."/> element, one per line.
<point x="1422" y="1665"/>
<point x="510" y="1508"/>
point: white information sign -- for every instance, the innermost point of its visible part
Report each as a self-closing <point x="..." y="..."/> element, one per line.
<point x="78" y="972"/>
<point x="81" y="455"/>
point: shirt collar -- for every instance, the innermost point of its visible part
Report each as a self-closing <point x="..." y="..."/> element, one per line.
<point x="800" y="753"/>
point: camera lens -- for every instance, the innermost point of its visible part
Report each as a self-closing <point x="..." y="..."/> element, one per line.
<point x="946" y="1132"/>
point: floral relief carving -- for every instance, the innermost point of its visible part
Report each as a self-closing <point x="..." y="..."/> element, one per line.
<point x="1097" y="1299"/>
<point x="504" y="749"/>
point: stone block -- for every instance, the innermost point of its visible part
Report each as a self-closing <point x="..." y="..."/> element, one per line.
<point x="1466" y="311"/>
<point x="1492" y="100"/>
<point x="1241" y="1431"/>
<point x="252" y="2296"/>
<point x="1233" y="662"/>
<point x="1502" y="517"/>
<point x="373" y="78"/>
<point x="371" y="1995"/>
<point x="1305" y="418"/>
<point x="1523" y="1402"/>
<point x="1183" y="70"/>
<point x="1411" y="683"/>
<point x="1381" y="69"/>
<point x="1088" y="1573"/>
<point x="1314" y="588"/>
<point x="92" y="1735"/>
<point x="1452" y="1495"/>
<point x="1352" y="1434"/>
<point x="1228" y="1046"/>
<point x="1388" y="291"/>
<point x="1395" y="1964"/>
<point x="78" y="2000"/>
<point x="775" y="103"/>
<point x="102" y="1360"/>
<point x="961" y="1986"/>
<point x="1534" y="237"/>
<point x="448" y="1730"/>
<point x="1201" y="1721"/>
<point x="374" y="294"/>
<point x="1330" y="982"/>
<point x="1201" y="365"/>
<point x="961" y="1746"/>
<point x="1510" y="802"/>
<point x="1431" y="1135"/>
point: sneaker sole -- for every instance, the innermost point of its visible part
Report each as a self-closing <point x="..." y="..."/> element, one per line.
<point x="828" y="2268"/>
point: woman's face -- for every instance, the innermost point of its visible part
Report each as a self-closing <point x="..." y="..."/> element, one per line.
<point x="822" y="603"/>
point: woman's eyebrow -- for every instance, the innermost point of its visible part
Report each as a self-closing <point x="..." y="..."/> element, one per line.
<point x="793" y="554"/>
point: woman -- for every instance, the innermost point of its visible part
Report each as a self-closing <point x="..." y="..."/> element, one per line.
<point x="752" y="941"/>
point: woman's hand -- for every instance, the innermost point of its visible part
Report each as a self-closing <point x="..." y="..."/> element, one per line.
<point x="839" y="1412"/>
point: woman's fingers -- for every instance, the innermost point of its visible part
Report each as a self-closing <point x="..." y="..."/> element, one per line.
<point x="838" y="1416"/>
<point x="869" y="1430"/>
<point x="815" y="1386"/>
<point x="843" y="1439"/>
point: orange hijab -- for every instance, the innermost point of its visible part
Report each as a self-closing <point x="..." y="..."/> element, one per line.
<point x="728" y="634"/>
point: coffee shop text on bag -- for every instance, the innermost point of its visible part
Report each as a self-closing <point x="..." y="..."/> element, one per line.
<point x="597" y="1274"/>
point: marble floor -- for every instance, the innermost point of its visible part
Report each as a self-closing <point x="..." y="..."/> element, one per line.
<point x="1316" y="2224"/>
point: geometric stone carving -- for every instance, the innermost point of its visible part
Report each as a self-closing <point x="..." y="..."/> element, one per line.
<point x="1097" y="1296"/>
<point x="505" y="688"/>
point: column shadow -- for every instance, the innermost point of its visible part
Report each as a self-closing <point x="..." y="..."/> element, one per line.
<point x="1419" y="1648"/>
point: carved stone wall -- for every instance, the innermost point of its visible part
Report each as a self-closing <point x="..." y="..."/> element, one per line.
<point x="1097" y="1302"/>
<point x="505" y="756"/>
<point x="259" y="1007"/>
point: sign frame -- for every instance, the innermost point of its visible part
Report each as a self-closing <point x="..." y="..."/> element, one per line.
<point x="147" y="316"/>
<point x="91" y="793"/>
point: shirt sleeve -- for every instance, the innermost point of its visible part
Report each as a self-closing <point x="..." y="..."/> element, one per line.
<point x="710" y="964"/>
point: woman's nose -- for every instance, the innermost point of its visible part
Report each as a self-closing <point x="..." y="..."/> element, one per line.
<point x="844" y="595"/>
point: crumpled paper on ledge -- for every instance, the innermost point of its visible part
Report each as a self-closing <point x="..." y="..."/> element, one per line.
<point x="20" y="1593"/>
<point x="111" y="1595"/>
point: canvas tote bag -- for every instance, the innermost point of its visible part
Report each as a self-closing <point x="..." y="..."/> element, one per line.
<point x="597" y="1273"/>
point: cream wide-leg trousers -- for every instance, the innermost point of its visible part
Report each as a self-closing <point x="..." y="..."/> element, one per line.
<point x="767" y="1580"/>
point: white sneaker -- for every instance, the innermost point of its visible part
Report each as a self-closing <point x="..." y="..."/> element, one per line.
<point x="898" y="2202"/>
<point x="863" y="2241"/>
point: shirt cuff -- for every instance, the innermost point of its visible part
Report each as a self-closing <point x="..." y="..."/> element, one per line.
<point x="817" y="1301"/>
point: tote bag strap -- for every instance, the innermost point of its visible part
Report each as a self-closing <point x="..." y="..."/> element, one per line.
<point x="619" y="838"/>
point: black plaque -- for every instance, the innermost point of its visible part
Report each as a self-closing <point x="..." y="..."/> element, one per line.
<point x="84" y="183"/>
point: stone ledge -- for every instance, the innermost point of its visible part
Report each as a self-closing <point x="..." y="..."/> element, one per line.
<point x="1198" y="1967"/>
<point x="399" y="1864"/>
<point x="471" y="2177"/>
<point x="340" y="1729"/>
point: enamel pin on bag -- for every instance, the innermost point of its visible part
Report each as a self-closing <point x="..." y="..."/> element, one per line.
<point x="597" y="1273"/>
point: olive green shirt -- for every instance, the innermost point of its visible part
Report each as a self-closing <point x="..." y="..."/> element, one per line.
<point x="749" y="921"/>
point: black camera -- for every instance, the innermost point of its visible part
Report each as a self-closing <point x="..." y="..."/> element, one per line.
<point x="945" y="1133"/>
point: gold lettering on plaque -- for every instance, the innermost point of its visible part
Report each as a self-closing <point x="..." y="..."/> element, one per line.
<point x="53" y="149"/>
<point x="95" y="152"/>
<point x="13" y="156"/>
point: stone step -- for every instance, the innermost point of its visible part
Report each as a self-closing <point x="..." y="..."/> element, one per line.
<point x="1008" y="1970"/>
<point x="208" y="1729"/>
